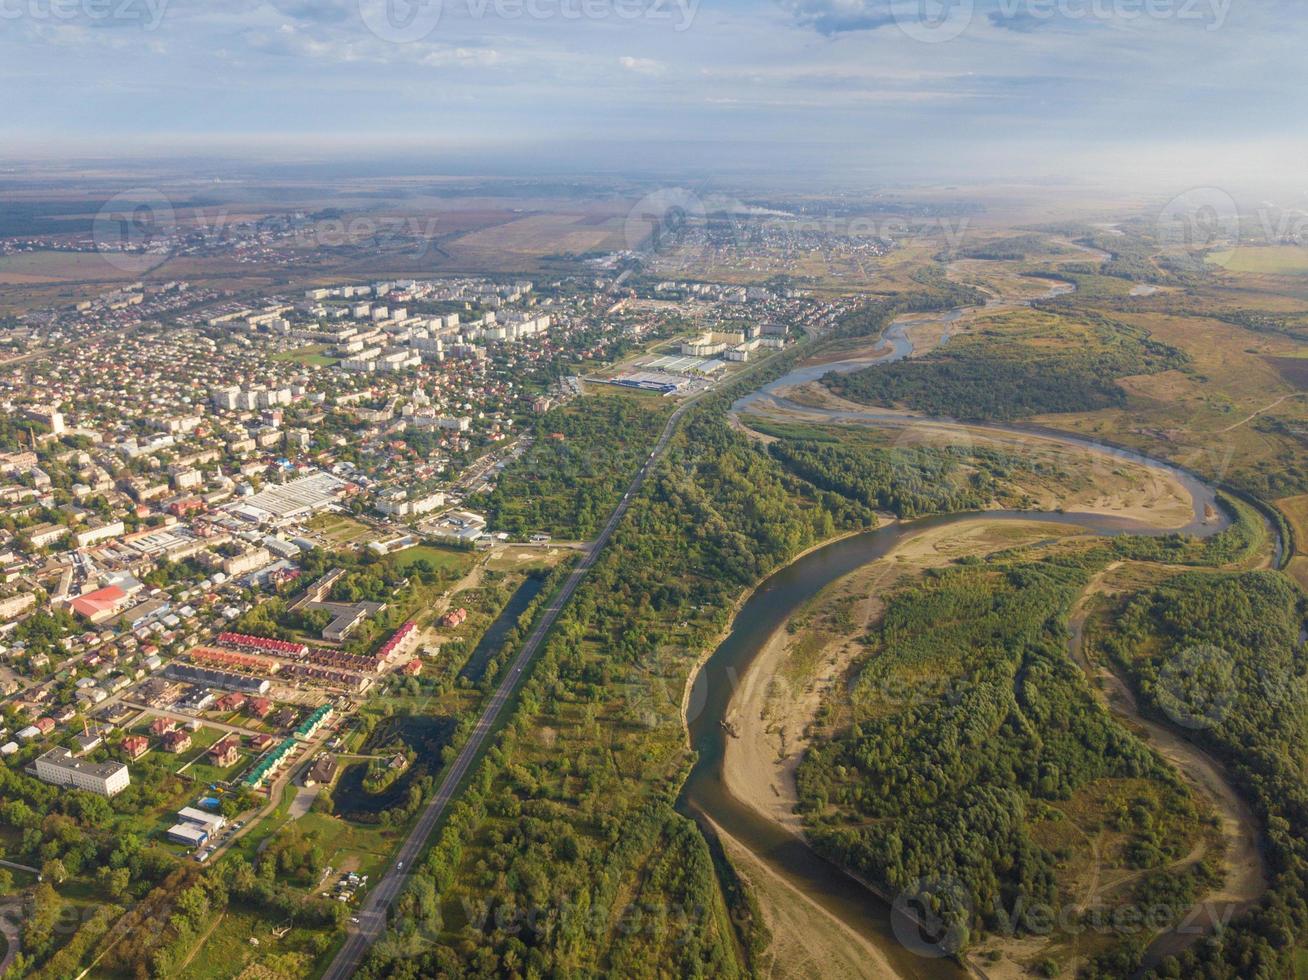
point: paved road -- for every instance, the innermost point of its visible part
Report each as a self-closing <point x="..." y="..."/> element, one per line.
<point x="372" y="917"/>
<point x="184" y="719"/>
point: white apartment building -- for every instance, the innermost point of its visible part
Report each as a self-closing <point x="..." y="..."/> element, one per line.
<point x="59" y="767"/>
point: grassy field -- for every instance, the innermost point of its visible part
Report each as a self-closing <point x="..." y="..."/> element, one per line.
<point x="1272" y="260"/>
<point x="509" y="245"/>
<point x="245" y="943"/>
<point x="29" y="268"/>
<point x="1220" y="414"/>
<point x="341" y="530"/>
<point x="1295" y="510"/>
<point x="312" y="356"/>
<point x="350" y="846"/>
<point x="440" y="558"/>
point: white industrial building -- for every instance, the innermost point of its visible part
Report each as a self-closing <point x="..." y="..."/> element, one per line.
<point x="196" y="826"/>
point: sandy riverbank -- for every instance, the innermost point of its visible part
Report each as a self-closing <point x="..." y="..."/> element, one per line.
<point x="808" y="943"/>
<point x="779" y="697"/>
<point x="1110" y="486"/>
<point x="780" y="694"/>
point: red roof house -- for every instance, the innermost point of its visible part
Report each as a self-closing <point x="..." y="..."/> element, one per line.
<point x="225" y="752"/>
<point x="136" y="746"/>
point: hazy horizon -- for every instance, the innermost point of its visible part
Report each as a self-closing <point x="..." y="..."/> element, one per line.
<point x="842" y="90"/>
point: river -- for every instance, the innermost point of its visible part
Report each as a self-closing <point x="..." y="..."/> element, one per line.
<point x="705" y="796"/>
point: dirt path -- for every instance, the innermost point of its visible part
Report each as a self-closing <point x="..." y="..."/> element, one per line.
<point x="199" y="945"/>
<point x="1250" y="418"/>
<point x="10" y="916"/>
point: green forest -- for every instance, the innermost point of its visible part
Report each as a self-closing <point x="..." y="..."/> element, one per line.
<point x="1224" y="654"/>
<point x="968" y="729"/>
<point x="1014" y="370"/>
<point x="907" y="480"/>
<point x="571" y="812"/>
<point x="581" y="458"/>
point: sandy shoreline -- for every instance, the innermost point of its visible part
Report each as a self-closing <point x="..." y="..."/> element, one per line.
<point x="771" y="714"/>
<point x="807" y="941"/>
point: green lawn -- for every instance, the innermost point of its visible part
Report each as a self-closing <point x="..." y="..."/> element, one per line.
<point x="350" y="846"/>
<point x="228" y="951"/>
<point x="440" y="558"/>
<point x="311" y="356"/>
<point x="248" y="845"/>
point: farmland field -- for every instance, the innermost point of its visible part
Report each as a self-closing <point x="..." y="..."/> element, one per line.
<point x="1272" y="260"/>
<point x="27" y="268"/>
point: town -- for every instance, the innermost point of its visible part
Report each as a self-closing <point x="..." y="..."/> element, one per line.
<point x="240" y="533"/>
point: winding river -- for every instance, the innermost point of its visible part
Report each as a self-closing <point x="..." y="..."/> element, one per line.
<point x="705" y="795"/>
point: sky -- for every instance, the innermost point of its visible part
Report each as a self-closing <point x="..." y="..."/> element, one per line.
<point x="898" y="88"/>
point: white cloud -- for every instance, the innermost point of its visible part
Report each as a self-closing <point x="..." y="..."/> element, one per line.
<point x="642" y="66"/>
